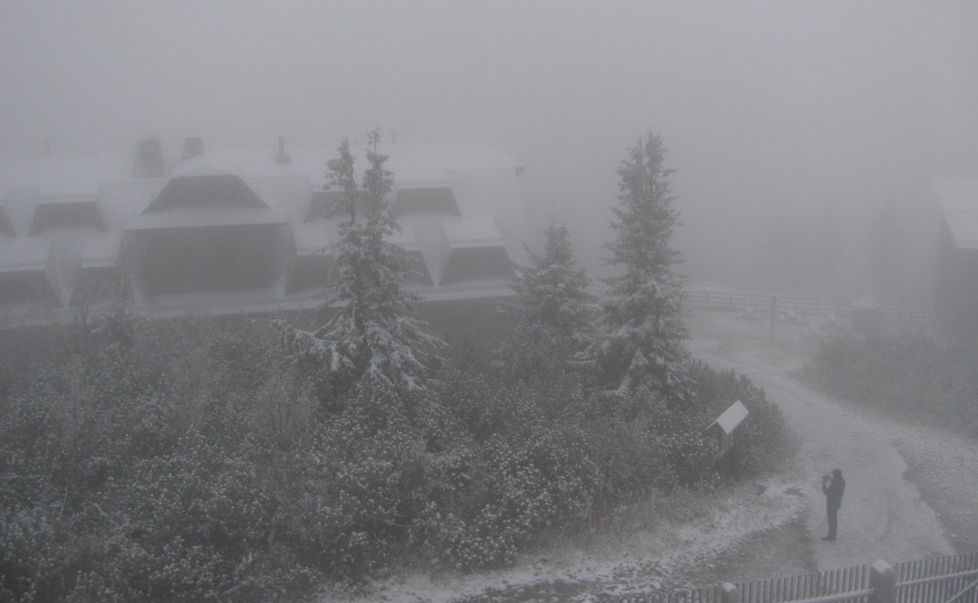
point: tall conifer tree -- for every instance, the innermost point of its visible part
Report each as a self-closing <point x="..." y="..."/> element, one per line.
<point x="642" y="349"/>
<point x="553" y="316"/>
<point x="373" y="330"/>
<point x="554" y="303"/>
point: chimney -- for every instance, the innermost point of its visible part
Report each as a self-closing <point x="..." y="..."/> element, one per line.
<point x="192" y="146"/>
<point x="282" y="158"/>
<point x="148" y="162"/>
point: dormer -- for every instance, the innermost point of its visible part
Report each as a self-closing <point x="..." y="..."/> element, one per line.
<point x="211" y="190"/>
<point x="425" y="199"/>
<point x="67" y="213"/>
<point x="321" y="205"/>
<point x="204" y="196"/>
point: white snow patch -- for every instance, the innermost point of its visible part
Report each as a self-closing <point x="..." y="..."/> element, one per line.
<point x="639" y="562"/>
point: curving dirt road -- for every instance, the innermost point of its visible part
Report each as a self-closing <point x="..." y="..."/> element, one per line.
<point x="883" y="514"/>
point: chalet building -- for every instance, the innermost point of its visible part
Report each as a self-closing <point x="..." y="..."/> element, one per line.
<point x="243" y="230"/>
<point x="957" y="271"/>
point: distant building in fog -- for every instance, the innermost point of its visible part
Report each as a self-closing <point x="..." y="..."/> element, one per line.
<point x="957" y="271"/>
<point x="243" y="230"/>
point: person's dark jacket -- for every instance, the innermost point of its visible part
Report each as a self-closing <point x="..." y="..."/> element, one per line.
<point x="833" y="491"/>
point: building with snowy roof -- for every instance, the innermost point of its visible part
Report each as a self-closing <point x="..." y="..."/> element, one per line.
<point x="957" y="269"/>
<point x="244" y="230"/>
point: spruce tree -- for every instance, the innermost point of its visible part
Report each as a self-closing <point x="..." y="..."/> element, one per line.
<point x="373" y="330"/>
<point x="642" y="349"/>
<point x="554" y="302"/>
<point x="554" y="313"/>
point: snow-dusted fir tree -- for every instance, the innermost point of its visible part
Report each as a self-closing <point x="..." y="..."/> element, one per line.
<point x="643" y="347"/>
<point x="373" y="331"/>
<point x="554" y="308"/>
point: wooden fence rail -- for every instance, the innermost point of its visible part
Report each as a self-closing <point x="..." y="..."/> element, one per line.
<point x="951" y="579"/>
<point x="800" y="305"/>
<point x="938" y="579"/>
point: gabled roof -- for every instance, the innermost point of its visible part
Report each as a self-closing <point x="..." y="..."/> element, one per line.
<point x="425" y="199"/>
<point x="205" y="197"/>
<point x="958" y="198"/>
<point x="221" y="190"/>
<point x="63" y="175"/>
<point x="79" y="211"/>
<point x="731" y="418"/>
<point x="202" y="216"/>
<point x="459" y="205"/>
<point x="413" y="165"/>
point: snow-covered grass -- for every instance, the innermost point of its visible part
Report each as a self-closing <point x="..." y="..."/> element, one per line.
<point x="648" y="545"/>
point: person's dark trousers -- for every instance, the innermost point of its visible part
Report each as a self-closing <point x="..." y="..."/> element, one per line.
<point x="833" y="514"/>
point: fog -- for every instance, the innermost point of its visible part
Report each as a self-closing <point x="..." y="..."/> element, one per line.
<point x="779" y="117"/>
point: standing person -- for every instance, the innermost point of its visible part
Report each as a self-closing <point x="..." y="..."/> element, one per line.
<point x="832" y="488"/>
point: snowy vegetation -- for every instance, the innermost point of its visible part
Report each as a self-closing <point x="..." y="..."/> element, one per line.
<point x="554" y="314"/>
<point x="372" y="332"/>
<point x="909" y="375"/>
<point x="642" y="349"/>
<point x="205" y="460"/>
<point x="202" y="463"/>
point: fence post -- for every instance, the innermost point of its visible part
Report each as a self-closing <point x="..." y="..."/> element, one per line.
<point x="882" y="579"/>
<point x="729" y="593"/>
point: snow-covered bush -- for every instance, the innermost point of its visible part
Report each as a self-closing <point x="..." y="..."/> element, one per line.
<point x="136" y="477"/>
<point x="554" y="314"/>
<point x="201" y="464"/>
<point x="372" y="330"/>
<point x="641" y="348"/>
<point x="908" y="374"/>
<point x="762" y="436"/>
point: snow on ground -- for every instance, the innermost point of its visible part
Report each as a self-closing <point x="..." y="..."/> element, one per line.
<point x="897" y="475"/>
<point x="644" y="552"/>
<point x="884" y="515"/>
<point x="943" y="466"/>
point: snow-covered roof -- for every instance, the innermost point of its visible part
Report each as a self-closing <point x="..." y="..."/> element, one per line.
<point x="207" y="164"/>
<point x="77" y="211"/>
<point x="461" y="207"/>
<point x="201" y="216"/>
<point x="204" y="196"/>
<point x="472" y="232"/>
<point x="958" y="198"/>
<point x="732" y="417"/>
<point x="63" y="175"/>
<point x="413" y="165"/>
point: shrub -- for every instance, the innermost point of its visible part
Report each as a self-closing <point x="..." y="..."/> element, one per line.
<point x="201" y="464"/>
<point x="907" y="374"/>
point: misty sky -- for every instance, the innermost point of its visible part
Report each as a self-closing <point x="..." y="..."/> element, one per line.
<point x="767" y="108"/>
